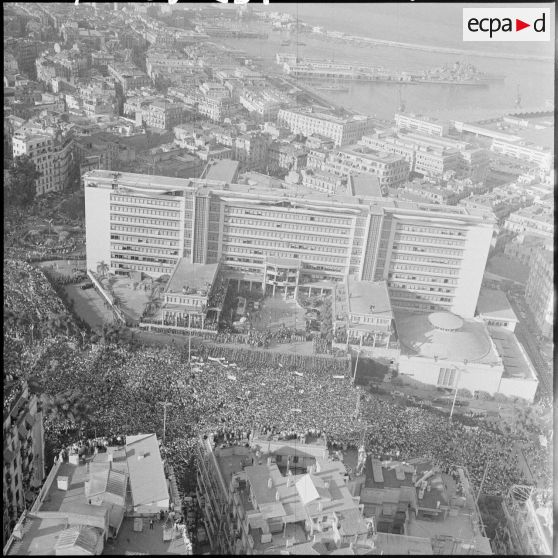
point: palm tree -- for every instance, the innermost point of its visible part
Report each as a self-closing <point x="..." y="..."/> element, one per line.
<point x="102" y="268"/>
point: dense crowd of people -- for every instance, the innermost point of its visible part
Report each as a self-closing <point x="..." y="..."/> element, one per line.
<point x="231" y="391"/>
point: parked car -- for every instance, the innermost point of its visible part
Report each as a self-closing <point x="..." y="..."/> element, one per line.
<point x="87" y="286"/>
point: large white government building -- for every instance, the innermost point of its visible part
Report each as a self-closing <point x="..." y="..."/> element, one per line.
<point x="431" y="256"/>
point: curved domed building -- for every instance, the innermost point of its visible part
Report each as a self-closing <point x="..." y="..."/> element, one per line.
<point x="445" y="350"/>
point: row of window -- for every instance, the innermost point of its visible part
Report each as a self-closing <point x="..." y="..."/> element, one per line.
<point x="142" y="230"/>
<point x="135" y="239"/>
<point x="299" y="227"/>
<point x="428" y="240"/>
<point x="242" y="233"/>
<point x="140" y="220"/>
<point x="144" y="250"/>
<point x="431" y="230"/>
<point x="130" y="257"/>
<point x="145" y="201"/>
<point x="421" y="279"/>
<point x="412" y="287"/>
<point x="426" y="259"/>
<point x="433" y="298"/>
<point x="286" y="216"/>
<point x="144" y="211"/>
<point x="305" y="257"/>
<point x="424" y="269"/>
<point x="427" y="250"/>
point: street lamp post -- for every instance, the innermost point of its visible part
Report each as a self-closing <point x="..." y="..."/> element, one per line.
<point x="165" y="405"/>
<point x="459" y="370"/>
<point x="356" y="365"/>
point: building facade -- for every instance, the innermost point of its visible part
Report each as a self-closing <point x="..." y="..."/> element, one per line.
<point x="342" y="131"/>
<point x="24" y="459"/>
<point x="432" y="257"/>
<point x="539" y="292"/>
<point x="52" y="154"/>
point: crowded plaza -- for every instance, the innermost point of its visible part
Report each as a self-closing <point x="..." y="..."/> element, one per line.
<point x="230" y="394"/>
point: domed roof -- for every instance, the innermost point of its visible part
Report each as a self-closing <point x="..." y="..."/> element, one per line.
<point x="449" y="337"/>
<point x="445" y="321"/>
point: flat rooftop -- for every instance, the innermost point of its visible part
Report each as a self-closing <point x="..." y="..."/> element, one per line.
<point x="147" y="541"/>
<point x="365" y="185"/>
<point x="370" y="154"/>
<point x="224" y="170"/>
<point x="493" y="303"/>
<point x="368" y="297"/>
<point x="515" y="360"/>
<point x="199" y="277"/>
<point x="257" y="184"/>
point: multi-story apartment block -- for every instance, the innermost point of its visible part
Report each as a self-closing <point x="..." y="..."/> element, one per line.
<point x="391" y="170"/>
<point x="433" y="257"/>
<point x="286" y="156"/>
<point x="518" y="149"/>
<point x="251" y="149"/>
<point x="24" y="458"/>
<point x="432" y="156"/>
<point x="128" y="76"/>
<point x="165" y="115"/>
<point x="341" y="130"/>
<point x="539" y="292"/>
<point x="421" y="124"/>
<point x="537" y="220"/>
<point x="323" y="181"/>
<point x="261" y="501"/>
<point x="52" y="153"/>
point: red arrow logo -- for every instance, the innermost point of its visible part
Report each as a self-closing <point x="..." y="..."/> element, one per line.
<point x="519" y="25"/>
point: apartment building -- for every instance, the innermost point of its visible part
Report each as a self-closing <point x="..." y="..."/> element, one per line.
<point x="128" y="76"/>
<point x="286" y="156"/>
<point x="524" y="151"/>
<point x="422" y="158"/>
<point x="432" y="256"/>
<point x="24" y="460"/>
<point x="421" y="124"/>
<point x="164" y="115"/>
<point x="432" y="156"/>
<point x="251" y="150"/>
<point x="391" y="170"/>
<point x="342" y="130"/>
<point x="258" y="501"/>
<point x="536" y="220"/>
<point x="539" y="292"/>
<point x="52" y="153"/>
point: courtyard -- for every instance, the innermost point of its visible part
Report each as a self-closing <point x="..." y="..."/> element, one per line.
<point x="276" y="313"/>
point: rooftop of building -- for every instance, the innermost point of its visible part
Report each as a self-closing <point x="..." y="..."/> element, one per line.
<point x="368" y="297"/>
<point x="329" y="117"/>
<point x="364" y="152"/>
<point x="444" y="336"/>
<point x="364" y="185"/>
<point x="196" y="277"/>
<point x="225" y="170"/>
<point x="516" y="361"/>
<point x="493" y="303"/>
<point x="256" y="184"/>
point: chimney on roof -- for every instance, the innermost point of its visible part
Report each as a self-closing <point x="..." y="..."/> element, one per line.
<point x="277" y="497"/>
<point x="269" y="483"/>
<point x="268" y="461"/>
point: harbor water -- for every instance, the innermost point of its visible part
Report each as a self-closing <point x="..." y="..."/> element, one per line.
<point x="532" y="78"/>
